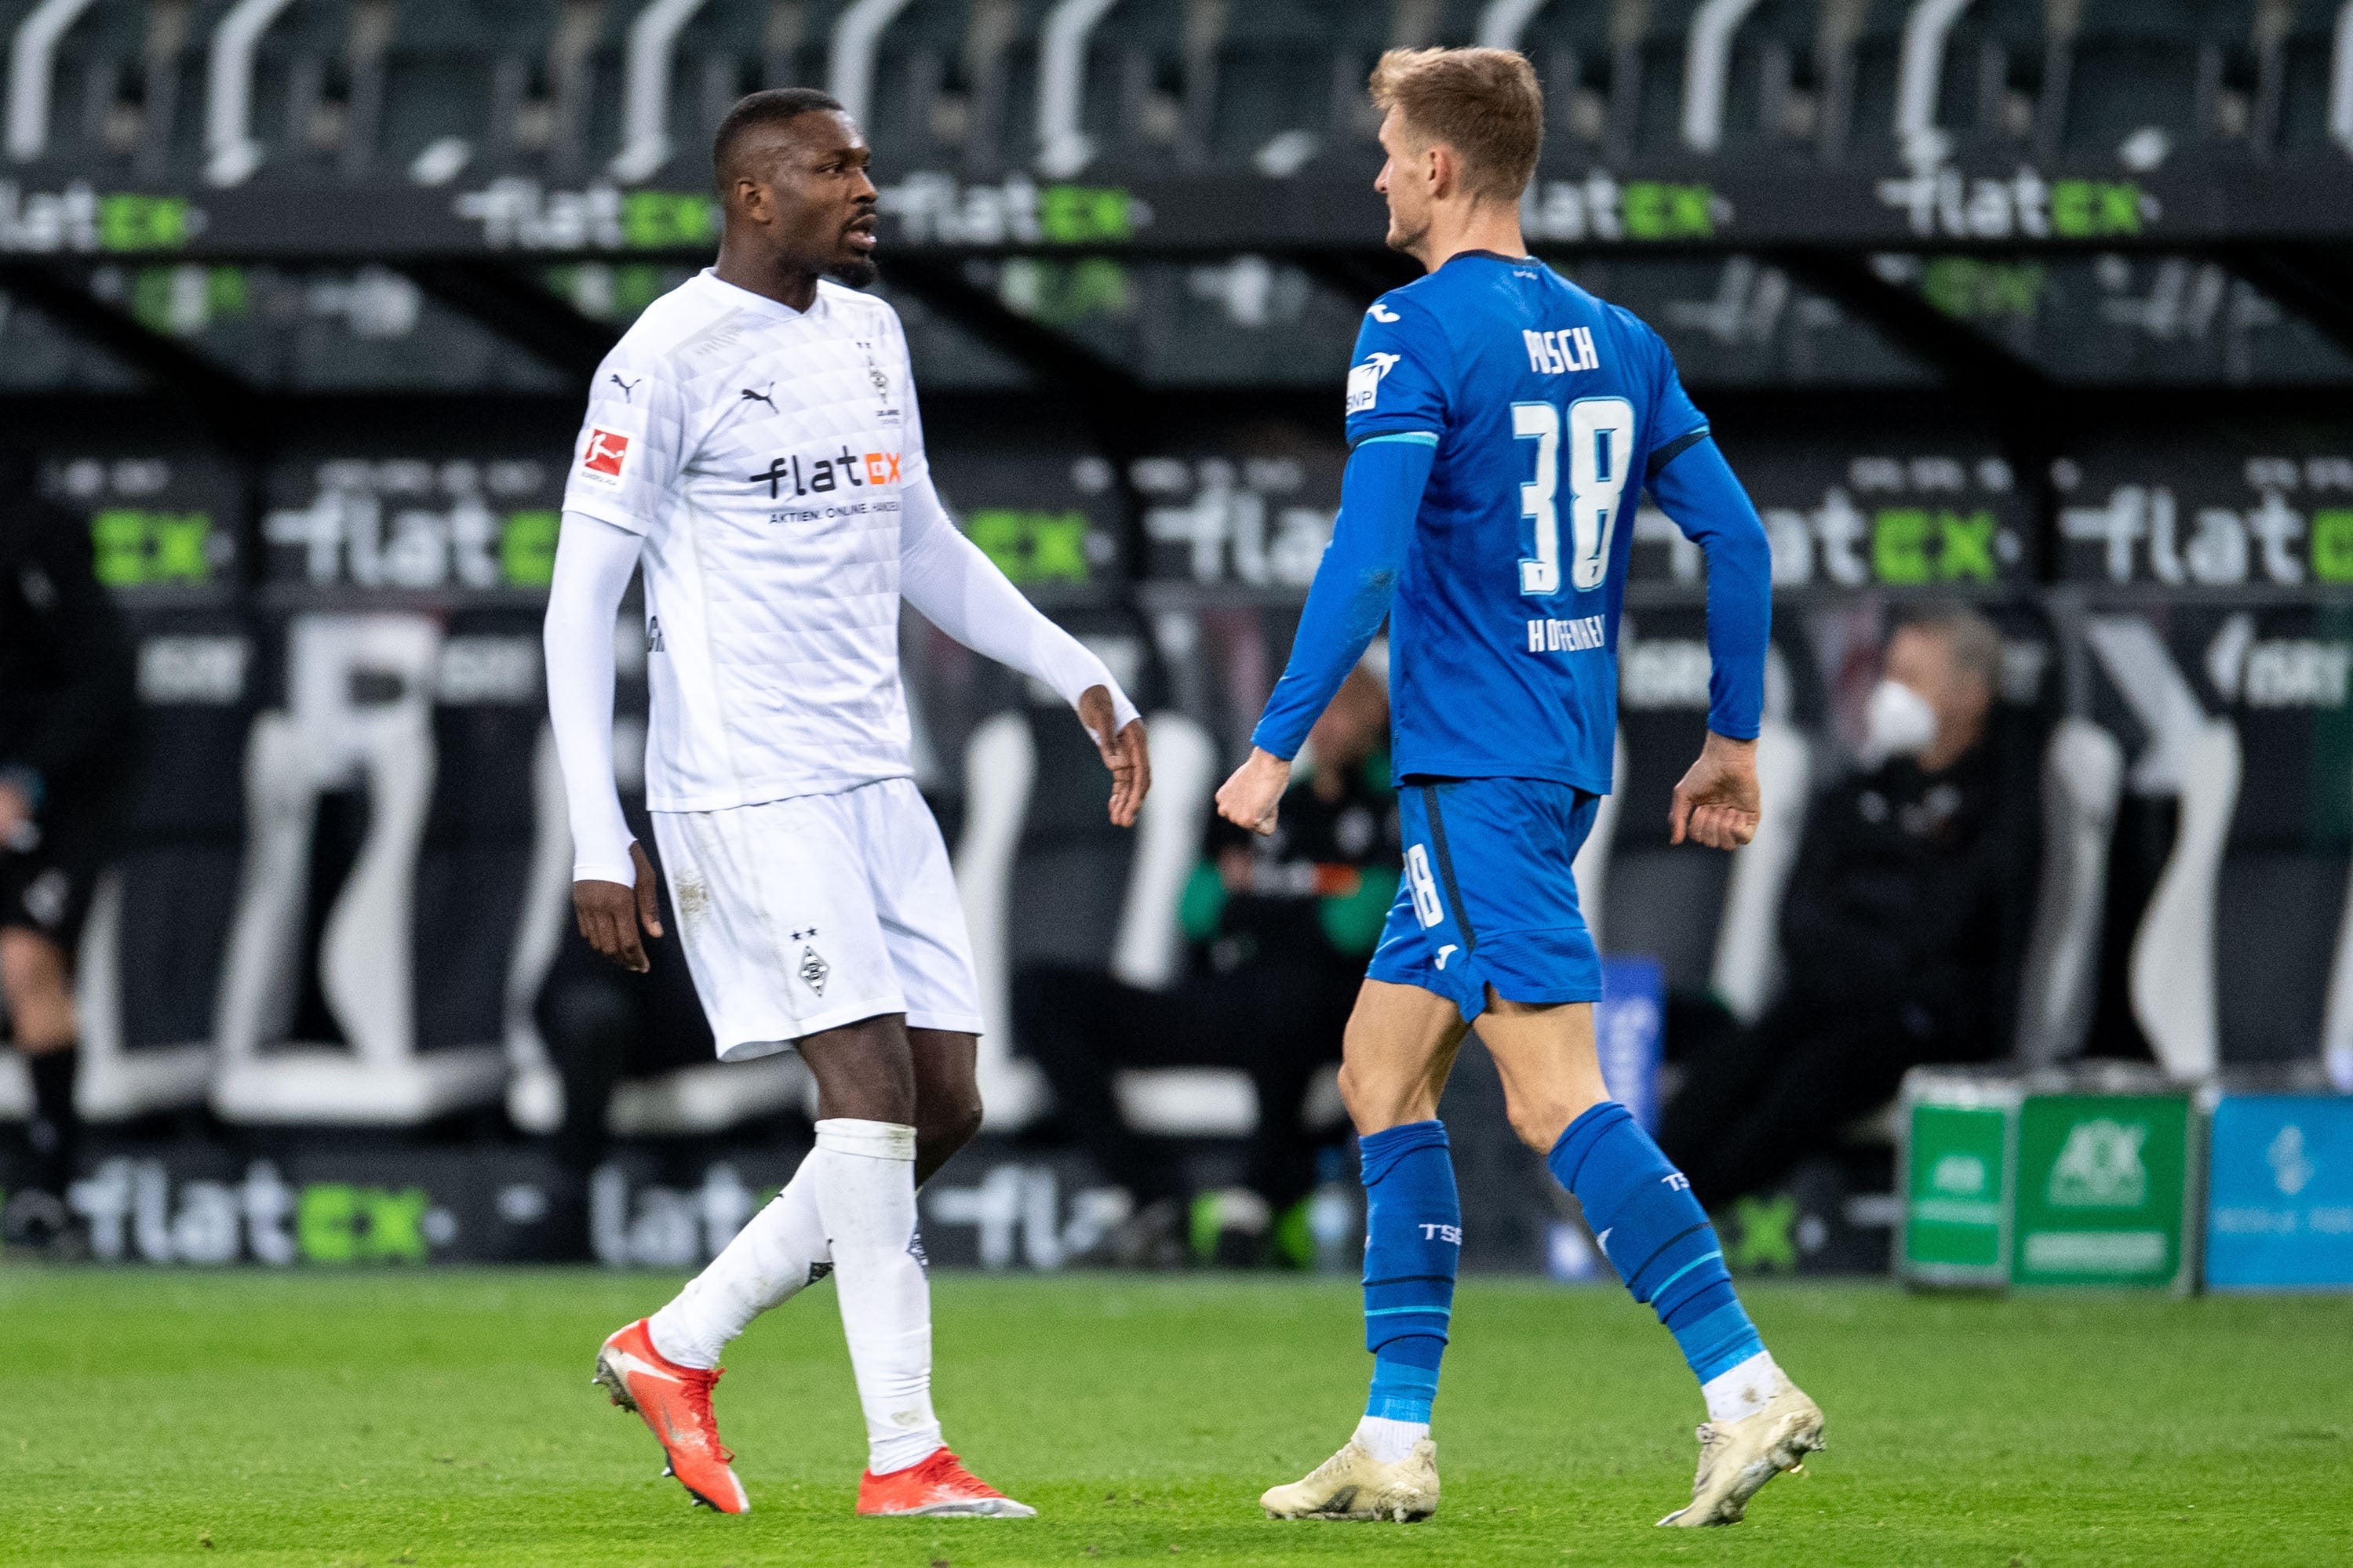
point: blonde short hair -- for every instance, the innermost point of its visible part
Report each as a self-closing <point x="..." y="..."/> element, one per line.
<point x="1483" y="103"/>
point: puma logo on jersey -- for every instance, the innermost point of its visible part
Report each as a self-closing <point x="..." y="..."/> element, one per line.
<point x="752" y="396"/>
<point x="627" y="386"/>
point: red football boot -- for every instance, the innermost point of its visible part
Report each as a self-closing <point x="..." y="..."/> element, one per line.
<point x="939" y="1486"/>
<point x="675" y="1402"/>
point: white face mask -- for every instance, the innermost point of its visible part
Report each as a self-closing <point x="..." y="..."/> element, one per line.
<point x="1898" y="722"/>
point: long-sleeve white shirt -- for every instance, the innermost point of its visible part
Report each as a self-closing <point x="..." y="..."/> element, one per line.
<point x="766" y="467"/>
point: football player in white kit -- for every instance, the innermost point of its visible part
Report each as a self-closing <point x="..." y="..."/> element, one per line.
<point x="752" y="443"/>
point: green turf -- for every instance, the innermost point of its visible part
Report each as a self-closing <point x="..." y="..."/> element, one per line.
<point x="444" y="1419"/>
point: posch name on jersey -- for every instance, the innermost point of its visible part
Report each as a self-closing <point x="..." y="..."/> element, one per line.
<point x="604" y="460"/>
<point x="1558" y="353"/>
<point x="1580" y="636"/>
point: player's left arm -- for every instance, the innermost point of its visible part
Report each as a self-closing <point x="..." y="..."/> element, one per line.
<point x="1718" y="801"/>
<point x="960" y="590"/>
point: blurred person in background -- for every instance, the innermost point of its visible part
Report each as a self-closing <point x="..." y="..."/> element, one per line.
<point x="68" y="704"/>
<point x="1903" y="932"/>
<point x="1281" y="929"/>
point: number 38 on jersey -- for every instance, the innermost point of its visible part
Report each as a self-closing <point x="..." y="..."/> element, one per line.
<point x="1600" y="441"/>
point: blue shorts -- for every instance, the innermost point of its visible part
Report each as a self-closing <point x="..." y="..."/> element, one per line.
<point x="1489" y="894"/>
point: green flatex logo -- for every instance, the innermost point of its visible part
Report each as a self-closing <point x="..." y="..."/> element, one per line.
<point x="2101" y="1167"/>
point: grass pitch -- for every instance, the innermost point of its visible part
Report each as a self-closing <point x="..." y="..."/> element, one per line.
<point x="447" y="1418"/>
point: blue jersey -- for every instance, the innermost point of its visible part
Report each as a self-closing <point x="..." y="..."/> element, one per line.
<point x="1549" y="410"/>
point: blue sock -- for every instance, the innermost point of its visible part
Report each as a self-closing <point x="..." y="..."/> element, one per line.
<point x="1413" y="1243"/>
<point x="1656" y="1236"/>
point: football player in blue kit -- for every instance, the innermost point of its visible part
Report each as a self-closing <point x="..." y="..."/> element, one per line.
<point x="1502" y="424"/>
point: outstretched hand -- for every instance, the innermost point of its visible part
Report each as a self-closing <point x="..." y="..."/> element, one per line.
<point x="1124" y="754"/>
<point x="610" y="914"/>
<point x="1250" y="798"/>
<point x="1717" y="804"/>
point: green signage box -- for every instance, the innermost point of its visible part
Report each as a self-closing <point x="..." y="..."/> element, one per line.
<point x="1958" y="1152"/>
<point x="2103" y="1190"/>
<point x="2079" y="1179"/>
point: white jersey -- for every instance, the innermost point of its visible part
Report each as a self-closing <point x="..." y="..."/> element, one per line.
<point x="761" y="452"/>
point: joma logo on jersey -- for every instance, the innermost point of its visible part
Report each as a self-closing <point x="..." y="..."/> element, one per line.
<point x="1558" y="353"/>
<point x="847" y="468"/>
<point x="1578" y="636"/>
<point x="606" y="459"/>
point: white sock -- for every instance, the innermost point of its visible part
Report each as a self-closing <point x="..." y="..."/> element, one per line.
<point x="1743" y="1390"/>
<point x="866" y="1191"/>
<point x="779" y="1254"/>
<point x="1389" y="1441"/>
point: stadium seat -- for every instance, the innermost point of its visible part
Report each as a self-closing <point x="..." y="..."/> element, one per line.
<point x="434" y="791"/>
<point x="1709" y="918"/>
<point x="923" y="98"/>
<point x="113" y="95"/>
<point x="1575" y="52"/>
<point x="2306" y="110"/>
<point x="151" y="959"/>
<point x="1866" y="67"/>
<point x="1045" y="878"/>
<point x="316" y="95"/>
<point x="2144" y="77"/>
<point x="1289" y="84"/>
<point x="2233" y="957"/>
<point x="460" y="80"/>
<point x="1771" y="99"/>
<point x="2082" y="772"/>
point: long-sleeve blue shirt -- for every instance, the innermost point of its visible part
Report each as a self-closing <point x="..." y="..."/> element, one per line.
<point x="1503" y="425"/>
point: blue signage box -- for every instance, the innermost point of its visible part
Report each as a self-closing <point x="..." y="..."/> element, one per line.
<point x="1629" y="1034"/>
<point x="2279" y="1212"/>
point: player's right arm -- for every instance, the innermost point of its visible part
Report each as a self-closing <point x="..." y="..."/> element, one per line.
<point x="628" y="455"/>
<point x="1396" y="415"/>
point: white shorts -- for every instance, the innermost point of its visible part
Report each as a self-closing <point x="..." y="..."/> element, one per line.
<point x="803" y="915"/>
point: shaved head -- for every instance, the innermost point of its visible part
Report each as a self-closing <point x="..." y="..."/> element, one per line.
<point x="791" y="169"/>
<point x="772" y="109"/>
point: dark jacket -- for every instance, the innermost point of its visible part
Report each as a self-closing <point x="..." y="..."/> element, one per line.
<point x="1319" y="887"/>
<point x="67" y="689"/>
<point x="1915" y="891"/>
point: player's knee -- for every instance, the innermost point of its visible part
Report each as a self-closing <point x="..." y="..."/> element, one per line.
<point x="942" y="1130"/>
<point x="32" y="970"/>
<point x="1539" y="1121"/>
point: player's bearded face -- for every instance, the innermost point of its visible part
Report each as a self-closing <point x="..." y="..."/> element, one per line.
<point x="825" y="202"/>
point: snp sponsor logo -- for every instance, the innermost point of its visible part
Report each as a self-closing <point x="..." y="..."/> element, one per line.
<point x="1582" y="634"/>
<point x="1365" y="382"/>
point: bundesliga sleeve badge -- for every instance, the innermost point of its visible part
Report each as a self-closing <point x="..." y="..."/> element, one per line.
<point x="604" y="459"/>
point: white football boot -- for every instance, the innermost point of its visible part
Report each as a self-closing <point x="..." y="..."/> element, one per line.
<point x="1738" y="1457"/>
<point x="1352" y="1484"/>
